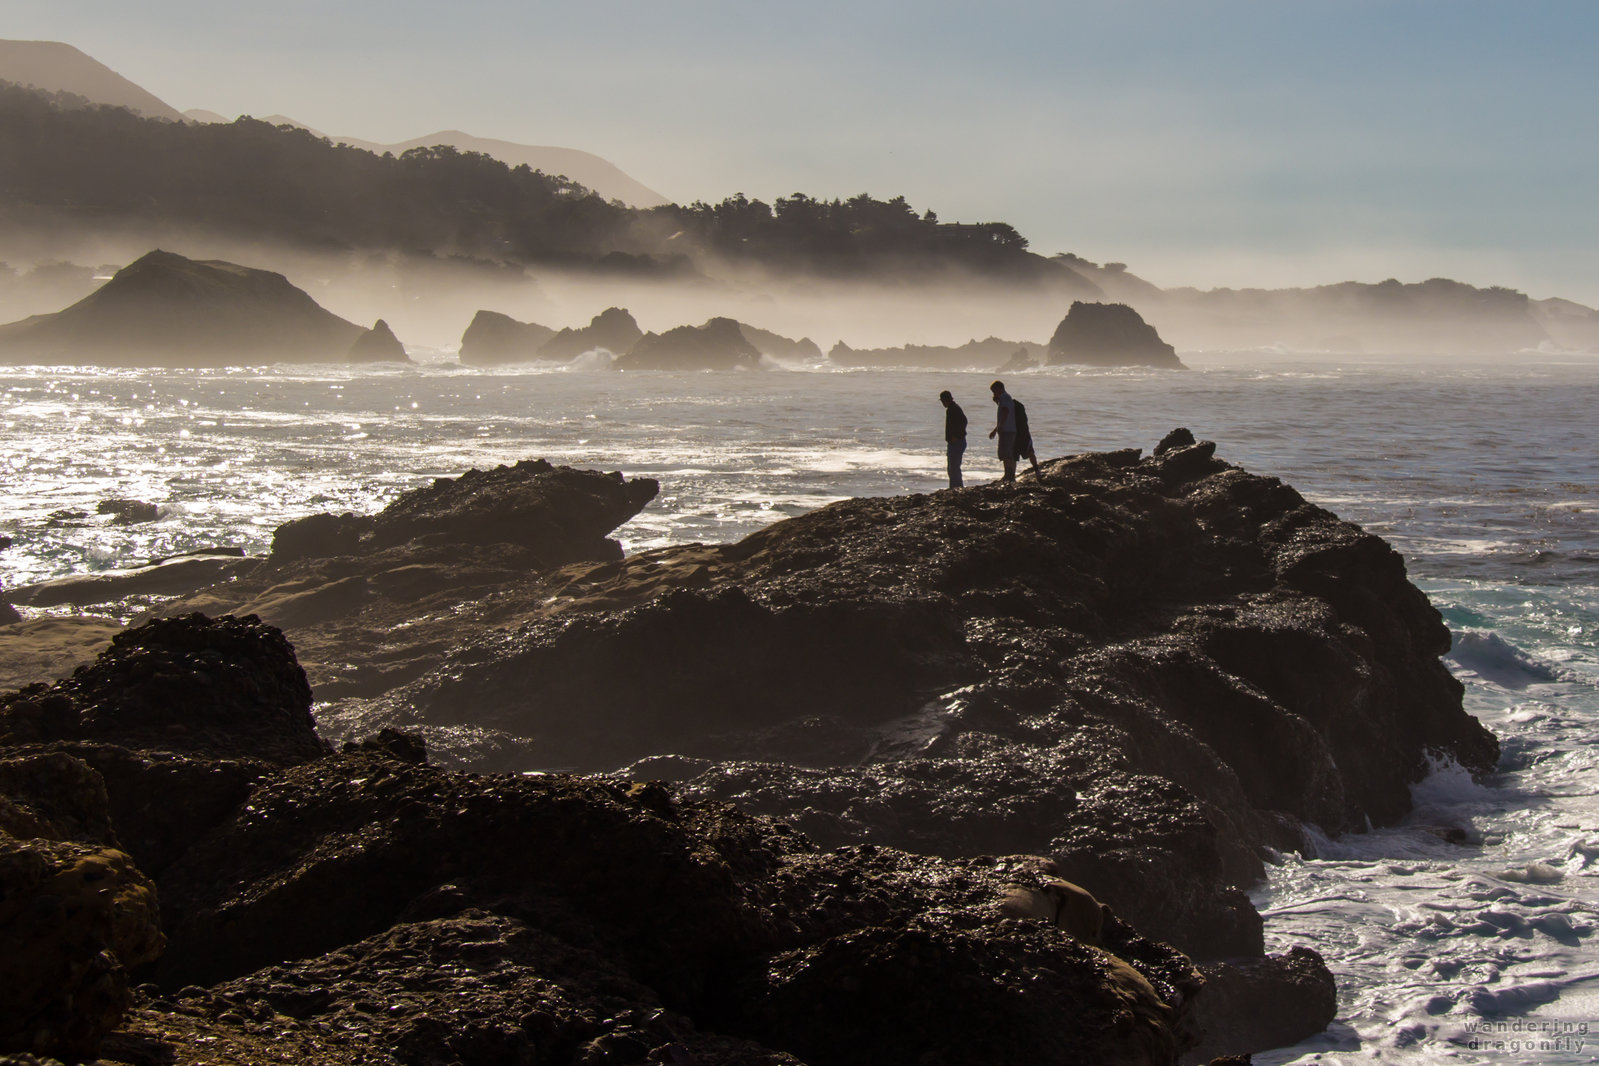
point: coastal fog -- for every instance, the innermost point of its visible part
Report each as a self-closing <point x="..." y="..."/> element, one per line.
<point x="430" y="299"/>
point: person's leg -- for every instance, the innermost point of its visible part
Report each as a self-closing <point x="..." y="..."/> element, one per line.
<point x="955" y="450"/>
<point x="1007" y="455"/>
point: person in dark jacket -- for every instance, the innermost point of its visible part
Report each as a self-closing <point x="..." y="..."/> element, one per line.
<point x="954" y="436"/>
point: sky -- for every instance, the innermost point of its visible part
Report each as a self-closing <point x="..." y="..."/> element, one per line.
<point x="1212" y="143"/>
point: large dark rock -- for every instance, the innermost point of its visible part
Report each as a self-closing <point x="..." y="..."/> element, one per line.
<point x="612" y="330"/>
<point x="1250" y="1005"/>
<point x="558" y="514"/>
<point x="165" y="310"/>
<point x="492" y="339"/>
<point x="1109" y="335"/>
<point x="228" y="687"/>
<point x="720" y="344"/>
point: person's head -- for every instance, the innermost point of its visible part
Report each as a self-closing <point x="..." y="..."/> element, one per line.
<point x="996" y="388"/>
<point x="946" y="399"/>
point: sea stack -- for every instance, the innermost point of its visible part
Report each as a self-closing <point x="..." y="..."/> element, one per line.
<point x="167" y="310"/>
<point x="378" y="345"/>
<point x="493" y="339"/>
<point x="1098" y="334"/>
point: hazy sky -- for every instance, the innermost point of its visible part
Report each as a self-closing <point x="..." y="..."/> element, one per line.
<point x="1237" y="142"/>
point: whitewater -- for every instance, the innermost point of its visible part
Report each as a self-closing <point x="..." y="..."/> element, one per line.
<point x="1465" y="934"/>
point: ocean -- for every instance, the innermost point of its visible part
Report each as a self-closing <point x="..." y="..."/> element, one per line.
<point x="1463" y="935"/>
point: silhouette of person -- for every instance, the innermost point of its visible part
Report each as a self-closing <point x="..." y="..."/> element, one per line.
<point x="1004" y="428"/>
<point x="1024" y="438"/>
<point x="954" y="436"/>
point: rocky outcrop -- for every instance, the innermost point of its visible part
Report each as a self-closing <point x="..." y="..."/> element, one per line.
<point x="1105" y="668"/>
<point x="612" y="330"/>
<point x="378" y="345"/>
<point x="1100" y="334"/>
<point x="973" y="355"/>
<point x="166" y="310"/>
<point x="720" y="344"/>
<point x="1127" y="673"/>
<point x="493" y="339"/>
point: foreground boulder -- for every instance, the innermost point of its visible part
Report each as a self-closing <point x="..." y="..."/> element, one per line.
<point x="166" y="310"/>
<point x="1099" y="334"/>
<point x="225" y="688"/>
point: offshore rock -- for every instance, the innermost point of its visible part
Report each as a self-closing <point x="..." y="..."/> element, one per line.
<point x="613" y="330"/>
<point x="166" y="310"/>
<point x="720" y="344"/>
<point x="493" y="339"/>
<point x="1101" y="334"/>
<point x="1145" y="668"/>
<point x="378" y="345"/>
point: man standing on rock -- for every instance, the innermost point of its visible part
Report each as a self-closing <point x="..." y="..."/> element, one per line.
<point x="954" y="436"/>
<point x="1004" y="428"/>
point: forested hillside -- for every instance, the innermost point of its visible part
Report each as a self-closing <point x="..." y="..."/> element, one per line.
<point x="93" y="165"/>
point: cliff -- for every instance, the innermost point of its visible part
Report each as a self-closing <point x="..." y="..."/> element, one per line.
<point x="166" y="310"/>
<point x="1100" y="334"/>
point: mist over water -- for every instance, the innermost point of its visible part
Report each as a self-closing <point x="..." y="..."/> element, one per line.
<point x="1476" y="913"/>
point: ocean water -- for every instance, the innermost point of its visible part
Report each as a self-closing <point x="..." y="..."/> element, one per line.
<point x="1464" y="935"/>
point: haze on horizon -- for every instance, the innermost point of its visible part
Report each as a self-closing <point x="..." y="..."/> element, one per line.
<point x="1226" y="143"/>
